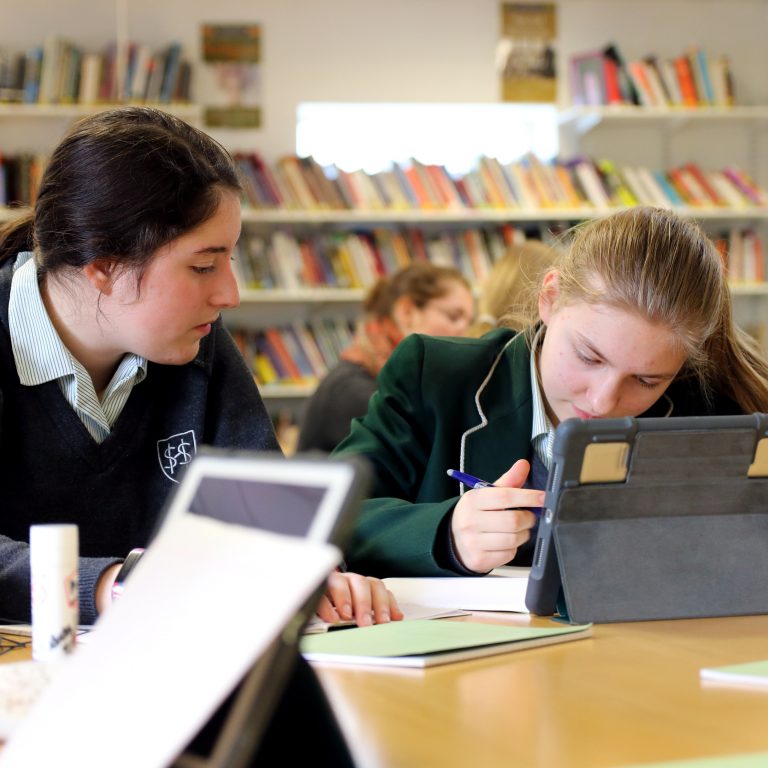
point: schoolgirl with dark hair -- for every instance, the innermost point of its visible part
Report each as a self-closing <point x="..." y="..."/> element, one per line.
<point x="114" y="363"/>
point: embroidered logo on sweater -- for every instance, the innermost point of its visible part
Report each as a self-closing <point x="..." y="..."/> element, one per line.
<point x="176" y="451"/>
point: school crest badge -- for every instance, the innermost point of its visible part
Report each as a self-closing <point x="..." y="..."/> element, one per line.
<point x="175" y="452"/>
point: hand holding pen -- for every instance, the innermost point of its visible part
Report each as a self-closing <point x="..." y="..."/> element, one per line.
<point x="488" y="526"/>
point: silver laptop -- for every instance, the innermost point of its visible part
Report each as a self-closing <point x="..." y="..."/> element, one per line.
<point x="311" y="497"/>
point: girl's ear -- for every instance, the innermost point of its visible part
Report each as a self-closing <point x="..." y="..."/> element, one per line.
<point x="100" y="274"/>
<point x="548" y="295"/>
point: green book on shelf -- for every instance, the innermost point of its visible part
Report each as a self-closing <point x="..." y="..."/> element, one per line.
<point x="422" y="643"/>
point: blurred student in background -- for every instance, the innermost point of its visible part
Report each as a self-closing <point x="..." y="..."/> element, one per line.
<point x="506" y="290"/>
<point x="420" y="298"/>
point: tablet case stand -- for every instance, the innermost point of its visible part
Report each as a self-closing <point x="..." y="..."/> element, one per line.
<point x="686" y="538"/>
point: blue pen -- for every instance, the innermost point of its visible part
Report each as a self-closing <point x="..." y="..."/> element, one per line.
<point x="469" y="480"/>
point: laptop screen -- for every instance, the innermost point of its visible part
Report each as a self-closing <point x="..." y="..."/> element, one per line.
<point x="271" y="506"/>
<point x="306" y="497"/>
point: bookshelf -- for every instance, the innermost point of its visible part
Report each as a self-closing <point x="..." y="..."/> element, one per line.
<point x="450" y="67"/>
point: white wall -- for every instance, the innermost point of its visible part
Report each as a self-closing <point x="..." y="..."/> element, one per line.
<point x="398" y="50"/>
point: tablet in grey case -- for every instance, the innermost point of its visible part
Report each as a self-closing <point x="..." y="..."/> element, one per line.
<point x="654" y="519"/>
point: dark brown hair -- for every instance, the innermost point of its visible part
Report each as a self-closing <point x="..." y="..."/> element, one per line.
<point x="120" y="185"/>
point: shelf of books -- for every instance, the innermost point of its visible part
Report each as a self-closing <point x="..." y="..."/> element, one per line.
<point x="290" y="358"/>
<point x="63" y="77"/>
<point x="527" y="189"/>
<point x="692" y="78"/>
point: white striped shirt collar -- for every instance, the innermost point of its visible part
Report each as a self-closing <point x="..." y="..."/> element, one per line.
<point x="542" y="431"/>
<point x="41" y="356"/>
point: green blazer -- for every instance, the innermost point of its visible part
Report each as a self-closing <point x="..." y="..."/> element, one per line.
<point x="413" y="433"/>
<point x="438" y="397"/>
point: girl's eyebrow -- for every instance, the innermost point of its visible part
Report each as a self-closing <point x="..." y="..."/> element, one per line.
<point x="596" y="352"/>
<point x="213" y="249"/>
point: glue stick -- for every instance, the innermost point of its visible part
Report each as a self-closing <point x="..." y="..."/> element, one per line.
<point x="55" y="594"/>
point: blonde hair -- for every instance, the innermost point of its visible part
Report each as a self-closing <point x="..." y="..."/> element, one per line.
<point x="511" y="284"/>
<point x="662" y="266"/>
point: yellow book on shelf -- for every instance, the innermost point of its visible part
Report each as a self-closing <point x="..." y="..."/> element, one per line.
<point x="264" y="370"/>
<point x="346" y="266"/>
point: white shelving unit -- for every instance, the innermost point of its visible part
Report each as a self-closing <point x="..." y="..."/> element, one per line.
<point x="69" y="112"/>
<point x="577" y="125"/>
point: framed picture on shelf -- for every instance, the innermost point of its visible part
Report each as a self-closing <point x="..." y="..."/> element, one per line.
<point x="233" y="52"/>
<point x="587" y="79"/>
<point x="525" y="54"/>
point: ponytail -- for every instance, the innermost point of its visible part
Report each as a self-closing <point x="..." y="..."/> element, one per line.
<point x="736" y="365"/>
<point x="16" y="236"/>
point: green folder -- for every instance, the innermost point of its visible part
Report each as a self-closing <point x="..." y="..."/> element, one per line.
<point x="753" y="760"/>
<point x="425" y="643"/>
<point x="753" y="673"/>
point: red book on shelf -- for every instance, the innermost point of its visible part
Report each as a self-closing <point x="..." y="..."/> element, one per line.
<point x="721" y="243"/>
<point x="612" y="85"/>
<point x="312" y="272"/>
<point x="417" y="246"/>
<point x="494" y="193"/>
<point x="687" y="83"/>
<point x="265" y="173"/>
<point x="378" y="260"/>
<point x="681" y="182"/>
<point x="418" y="187"/>
<point x="445" y="185"/>
<point x="639" y="76"/>
<point x="759" y="266"/>
<point x="704" y="183"/>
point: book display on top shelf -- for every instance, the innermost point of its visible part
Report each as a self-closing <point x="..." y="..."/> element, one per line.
<point x="59" y="72"/>
<point x="692" y="78"/>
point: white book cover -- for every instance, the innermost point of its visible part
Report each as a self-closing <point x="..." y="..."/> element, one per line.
<point x="90" y="78"/>
<point x="592" y="185"/>
<point x="727" y="190"/>
<point x="668" y="75"/>
<point x="285" y="260"/>
<point x="659" y="196"/>
<point x="156" y="650"/>
<point x="501" y="590"/>
<point x="637" y="186"/>
<point x="657" y="87"/>
<point x="362" y="259"/>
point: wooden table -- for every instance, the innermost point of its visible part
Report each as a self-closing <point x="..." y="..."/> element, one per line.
<point x="630" y="694"/>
